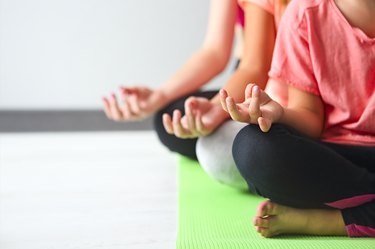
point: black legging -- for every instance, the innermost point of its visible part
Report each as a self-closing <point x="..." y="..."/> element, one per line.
<point x="185" y="147"/>
<point x="294" y="170"/>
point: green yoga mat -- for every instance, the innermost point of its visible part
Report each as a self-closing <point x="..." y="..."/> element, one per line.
<point x="214" y="216"/>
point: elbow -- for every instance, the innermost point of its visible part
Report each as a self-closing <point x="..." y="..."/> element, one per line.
<point x="221" y="60"/>
<point x="218" y="57"/>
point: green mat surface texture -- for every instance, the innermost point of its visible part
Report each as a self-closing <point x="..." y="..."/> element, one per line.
<point x="214" y="216"/>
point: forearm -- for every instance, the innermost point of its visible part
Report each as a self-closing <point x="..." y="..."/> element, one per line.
<point x="258" y="43"/>
<point x="303" y="120"/>
<point x="197" y="71"/>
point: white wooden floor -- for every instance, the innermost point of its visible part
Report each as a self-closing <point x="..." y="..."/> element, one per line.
<point x="87" y="190"/>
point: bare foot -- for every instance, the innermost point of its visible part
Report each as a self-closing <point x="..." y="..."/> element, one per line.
<point x="273" y="219"/>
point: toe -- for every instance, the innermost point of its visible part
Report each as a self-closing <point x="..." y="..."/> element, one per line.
<point x="261" y="222"/>
<point x="264" y="232"/>
<point x="266" y="208"/>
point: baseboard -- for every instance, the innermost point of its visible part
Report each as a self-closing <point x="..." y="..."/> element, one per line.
<point x="64" y="121"/>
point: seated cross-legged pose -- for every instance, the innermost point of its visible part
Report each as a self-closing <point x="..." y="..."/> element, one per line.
<point x="314" y="159"/>
<point x="196" y="125"/>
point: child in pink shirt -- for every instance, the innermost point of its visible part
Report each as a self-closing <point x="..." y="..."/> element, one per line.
<point x="315" y="158"/>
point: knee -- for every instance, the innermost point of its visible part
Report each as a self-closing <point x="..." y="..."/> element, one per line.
<point x="215" y="155"/>
<point x="245" y="146"/>
<point x="257" y="155"/>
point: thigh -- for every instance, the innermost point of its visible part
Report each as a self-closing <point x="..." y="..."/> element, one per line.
<point x="362" y="156"/>
<point x="294" y="170"/>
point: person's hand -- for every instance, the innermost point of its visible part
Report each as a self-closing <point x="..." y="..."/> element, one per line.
<point x="200" y="119"/>
<point x="136" y="103"/>
<point x="258" y="108"/>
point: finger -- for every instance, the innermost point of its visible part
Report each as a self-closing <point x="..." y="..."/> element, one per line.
<point x="254" y="106"/>
<point x="134" y="104"/>
<point x="223" y="95"/>
<point x="232" y="109"/>
<point x="201" y="129"/>
<point x="125" y="109"/>
<point x="248" y="91"/>
<point x="115" y="110"/>
<point x="107" y="108"/>
<point x="167" y="123"/>
<point x="264" y="124"/>
<point x="128" y="90"/>
<point x="179" y="131"/>
<point x="190" y="104"/>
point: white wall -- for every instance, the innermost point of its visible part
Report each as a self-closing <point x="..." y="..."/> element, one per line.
<point x="65" y="54"/>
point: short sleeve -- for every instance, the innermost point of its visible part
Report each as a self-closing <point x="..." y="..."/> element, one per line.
<point x="291" y="62"/>
<point x="267" y="5"/>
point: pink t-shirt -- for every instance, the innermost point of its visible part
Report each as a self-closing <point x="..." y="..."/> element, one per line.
<point x="274" y="7"/>
<point x="318" y="51"/>
<point x="240" y="16"/>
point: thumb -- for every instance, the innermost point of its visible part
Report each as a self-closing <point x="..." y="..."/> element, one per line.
<point x="264" y="124"/>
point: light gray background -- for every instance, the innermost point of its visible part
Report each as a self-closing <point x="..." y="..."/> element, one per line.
<point x="66" y="54"/>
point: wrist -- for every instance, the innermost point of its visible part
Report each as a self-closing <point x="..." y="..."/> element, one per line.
<point x="162" y="97"/>
<point x="283" y="117"/>
<point x="220" y="114"/>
